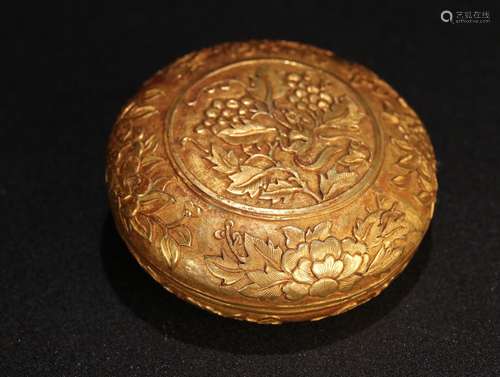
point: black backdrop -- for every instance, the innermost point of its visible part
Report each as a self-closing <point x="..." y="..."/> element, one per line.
<point x="73" y="301"/>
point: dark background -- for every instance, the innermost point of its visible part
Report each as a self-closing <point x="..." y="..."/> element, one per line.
<point x="73" y="302"/>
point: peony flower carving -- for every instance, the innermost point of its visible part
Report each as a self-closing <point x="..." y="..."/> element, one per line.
<point x="320" y="268"/>
<point x="315" y="262"/>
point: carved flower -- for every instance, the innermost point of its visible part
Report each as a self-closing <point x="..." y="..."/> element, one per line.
<point x="416" y="155"/>
<point x="139" y="199"/>
<point x="276" y="130"/>
<point x="316" y="262"/>
<point x="138" y="195"/>
<point x="139" y="192"/>
<point x="135" y="188"/>
<point x="319" y="268"/>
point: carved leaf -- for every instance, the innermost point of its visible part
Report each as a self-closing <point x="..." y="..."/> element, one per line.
<point x="368" y="230"/>
<point x="293" y="236"/>
<point x="182" y="235"/>
<point x="425" y="169"/>
<point x="248" y="181"/>
<point x="150" y="160"/>
<point x="142" y="225"/>
<point x="279" y="191"/>
<point x="254" y="290"/>
<point x="170" y="250"/>
<point x="152" y="94"/>
<point x="320" y="232"/>
<point x="248" y="134"/>
<point x="269" y="277"/>
<point x="225" y="162"/>
<point x="263" y="119"/>
<point x="403" y="144"/>
<point x="130" y="167"/>
<point x="260" y="253"/>
<point x="150" y="144"/>
<point x="324" y="157"/>
<point x="388" y="115"/>
<point x="348" y="282"/>
<point x="402" y="180"/>
<point x="394" y="226"/>
<point x="332" y="183"/>
<point x="383" y="260"/>
<point x="408" y="162"/>
<point x="223" y="269"/>
<point x="137" y="112"/>
<point x="353" y="158"/>
<point x="382" y="227"/>
<point x="154" y="201"/>
<point x="425" y="184"/>
<point x="260" y="161"/>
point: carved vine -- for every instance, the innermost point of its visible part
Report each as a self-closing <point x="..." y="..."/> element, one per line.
<point x="312" y="261"/>
<point x="415" y="159"/>
<point x="278" y="132"/>
<point x="415" y="154"/>
<point x="139" y="189"/>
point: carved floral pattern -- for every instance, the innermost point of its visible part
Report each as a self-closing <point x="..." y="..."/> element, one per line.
<point x="416" y="159"/>
<point x="141" y="192"/>
<point x="276" y="115"/>
<point x="194" y="61"/>
<point x="416" y="156"/>
<point x="315" y="262"/>
<point x="268" y="138"/>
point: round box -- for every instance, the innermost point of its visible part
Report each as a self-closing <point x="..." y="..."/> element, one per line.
<point x="270" y="181"/>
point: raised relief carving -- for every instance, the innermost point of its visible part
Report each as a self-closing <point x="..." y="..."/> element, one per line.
<point x="316" y="181"/>
<point x="416" y="162"/>
<point x="190" y="63"/>
<point x="140" y="190"/>
<point x="279" y="137"/>
<point x="416" y="159"/>
<point x="313" y="261"/>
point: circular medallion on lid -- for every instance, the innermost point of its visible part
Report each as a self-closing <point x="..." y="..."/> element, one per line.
<point x="269" y="136"/>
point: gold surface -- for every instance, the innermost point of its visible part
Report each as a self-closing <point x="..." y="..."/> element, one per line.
<point x="270" y="181"/>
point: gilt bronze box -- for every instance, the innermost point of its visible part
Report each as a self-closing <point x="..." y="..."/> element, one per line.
<point x="270" y="181"/>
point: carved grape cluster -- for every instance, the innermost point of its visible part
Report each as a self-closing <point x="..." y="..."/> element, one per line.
<point x="309" y="97"/>
<point x="305" y="95"/>
<point x="275" y="113"/>
<point x="232" y="112"/>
